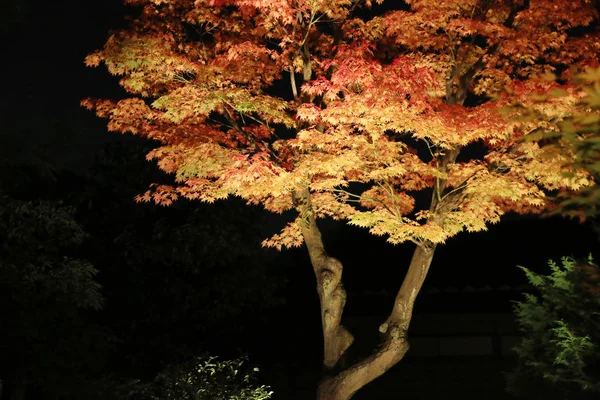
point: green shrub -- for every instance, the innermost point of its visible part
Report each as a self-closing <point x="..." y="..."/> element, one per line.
<point x="558" y="356"/>
<point x="204" y="378"/>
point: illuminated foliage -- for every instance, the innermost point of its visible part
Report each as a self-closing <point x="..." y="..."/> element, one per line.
<point x="201" y="75"/>
<point x="201" y="378"/>
<point x="577" y="134"/>
<point x="337" y="110"/>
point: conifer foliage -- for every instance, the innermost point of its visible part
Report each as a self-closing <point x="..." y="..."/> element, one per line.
<point x="346" y="109"/>
<point x="558" y="355"/>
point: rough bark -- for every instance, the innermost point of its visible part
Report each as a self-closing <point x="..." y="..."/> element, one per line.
<point x="395" y="343"/>
<point x="332" y="295"/>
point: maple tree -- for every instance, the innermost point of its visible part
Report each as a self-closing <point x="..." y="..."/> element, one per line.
<point x="338" y="109"/>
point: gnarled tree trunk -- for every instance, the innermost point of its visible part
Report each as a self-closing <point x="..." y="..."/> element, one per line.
<point x="332" y="296"/>
<point x="395" y="344"/>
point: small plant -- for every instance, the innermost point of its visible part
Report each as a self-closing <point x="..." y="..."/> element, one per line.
<point x="203" y="378"/>
<point x="561" y="327"/>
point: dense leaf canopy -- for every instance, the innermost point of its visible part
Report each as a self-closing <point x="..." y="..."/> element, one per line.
<point x="366" y="105"/>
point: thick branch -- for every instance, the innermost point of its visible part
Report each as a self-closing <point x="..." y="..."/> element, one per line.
<point x="395" y="328"/>
<point x="458" y="96"/>
<point x="395" y="343"/>
<point x="307" y="64"/>
<point x="328" y="271"/>
<point x="349" y="381"/>
<point x="413" y="281"/>
<point x="465" y="80"/>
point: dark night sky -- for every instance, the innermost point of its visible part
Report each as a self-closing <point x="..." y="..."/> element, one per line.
<point x="44" y="46"/>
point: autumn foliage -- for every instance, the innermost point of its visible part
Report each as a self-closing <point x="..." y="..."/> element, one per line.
<point x="205" y="80"/>
<point x="577" y="134"/>
<point x="356" y="108"/>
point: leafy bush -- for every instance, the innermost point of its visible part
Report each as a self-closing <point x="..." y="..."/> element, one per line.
<point x="561" y="326"/>
<point x="204" y="378"/>
<point x="48" y="291"/>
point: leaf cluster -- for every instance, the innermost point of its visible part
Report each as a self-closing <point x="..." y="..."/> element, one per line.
<point x="37" y="255"/>
<point x="578" y="134"/>
<point x="258" y="99"/>
<point x="561" y="326"/>
<point x="203" y="378"/>
<point x="47" y="292"/>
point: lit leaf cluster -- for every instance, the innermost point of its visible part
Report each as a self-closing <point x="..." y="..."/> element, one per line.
<point x="578" y="134"/>
<point x="259" y="98"/>
<point x="201" y="378"/>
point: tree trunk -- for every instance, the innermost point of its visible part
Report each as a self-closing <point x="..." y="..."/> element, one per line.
<point x="332" y="296"/>
<point x="395" y="344"/>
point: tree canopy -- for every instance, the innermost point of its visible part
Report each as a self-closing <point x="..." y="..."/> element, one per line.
<point x="205" y="79"/>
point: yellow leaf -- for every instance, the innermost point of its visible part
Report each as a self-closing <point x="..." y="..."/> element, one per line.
<point x="548" y="76"/>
